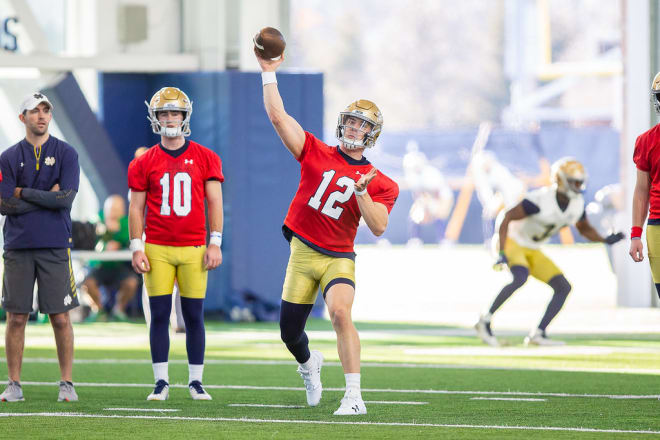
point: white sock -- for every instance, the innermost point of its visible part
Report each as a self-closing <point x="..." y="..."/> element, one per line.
<point x="353" y="381"/>
<point x="487" y="317"/>
<point x="195" y="372"/>
<point x="160" y="371"/>
<point x="307" y="365"/>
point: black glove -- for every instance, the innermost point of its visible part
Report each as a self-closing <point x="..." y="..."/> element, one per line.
<point x="501" y="262"/>
<point x="613" y="238"/>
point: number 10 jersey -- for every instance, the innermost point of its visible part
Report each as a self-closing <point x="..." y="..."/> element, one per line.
<point x="324" y="210"/>
<point x="175" y="185"/>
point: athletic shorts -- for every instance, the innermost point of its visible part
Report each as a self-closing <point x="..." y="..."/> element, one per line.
<point x="113" y="275"/>
<point x="539" y="265"/>
<point x="50" y="268"/>
<point x="183" y="263"/>
<point x="308" y="269"/>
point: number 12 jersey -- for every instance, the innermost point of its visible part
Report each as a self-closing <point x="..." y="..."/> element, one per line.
<point x="324" y="210"/>
<point x="175" y="185"/>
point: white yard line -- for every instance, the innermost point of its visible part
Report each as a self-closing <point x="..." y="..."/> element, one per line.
<point x="366" y="390"/>
<point x="394" y="402"/>
<point x="142" y="409"/>
<point x="259" y="405"/>
<point x="328" y="422"/>
<point x="517" y="399"/>
<point x="364" y="364"/>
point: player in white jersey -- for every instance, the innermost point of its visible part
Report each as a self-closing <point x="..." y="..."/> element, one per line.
<point x="528" y="225"/>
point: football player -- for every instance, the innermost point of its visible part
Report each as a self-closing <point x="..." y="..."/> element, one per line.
<point x="338" y="186"/>
<point x="646" y="200"/>
<point x="528" y="225"/>
<point x="172" y="179"/>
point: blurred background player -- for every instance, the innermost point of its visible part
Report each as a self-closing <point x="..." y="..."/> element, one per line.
<point x="497" y="188"/>
<point x="114" y="275"/>
<point x="338" y="185"/>
<point x="432" y="196"/>
<point x="172" y="179"/>
<point x="531" y="223"/>
<point x="646" y="201"/>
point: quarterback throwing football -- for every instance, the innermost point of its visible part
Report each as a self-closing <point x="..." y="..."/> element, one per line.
<point x="172" y="179"/>
<point x="525" y="227"/>
<point x="337" y="186"/>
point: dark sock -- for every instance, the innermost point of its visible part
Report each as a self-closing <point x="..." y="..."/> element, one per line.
<point x="193" y="316"/>
<point x="159" y="335"/>
<point x="293" y="318"/>
<point x="562" y="287"/>
<point x="520" y="275"/>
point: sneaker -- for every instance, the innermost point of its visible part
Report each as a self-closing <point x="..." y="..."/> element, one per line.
<point x="538" y="337"/>
<point x="312" y="378"/>
<point x="161" y="391"/>
<point x="197" y="392"/>
<point x="351" y="404"/>
<point x="484" y="332"/>
<point x="67" y="392"/>
<point x="13" y="393"/>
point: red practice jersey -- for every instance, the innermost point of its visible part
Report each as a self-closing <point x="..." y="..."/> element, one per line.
<point x="175" y="192"/>
<point x="647" y="158"/>
<point x="324" y="210"/>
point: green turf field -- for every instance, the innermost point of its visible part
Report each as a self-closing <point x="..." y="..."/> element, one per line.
<point x="418" y="382"/>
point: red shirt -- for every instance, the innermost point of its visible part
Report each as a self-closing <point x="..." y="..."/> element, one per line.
<point x="647" y="158"/>
<point x="324" y="210"/>
<point x="175" y="188"/>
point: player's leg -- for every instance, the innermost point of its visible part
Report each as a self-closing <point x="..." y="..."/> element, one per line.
<point x="653" y="249"/>
<point x="192" y="279"/>
<point x="338" y="284"/>
<point x="58" y="295"/>
<point x="519" y="266"/>
<point x="298" y="296"/>
<point x="159" y="282"/>
<point x="128" y="285"/>
<point x="544" y="269"/>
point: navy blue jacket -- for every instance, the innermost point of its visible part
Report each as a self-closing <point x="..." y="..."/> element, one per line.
<point x="43" y="225"/>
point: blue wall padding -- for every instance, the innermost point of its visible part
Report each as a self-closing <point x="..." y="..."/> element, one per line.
<point x="261" y="176"/>
<point x="82" y="129"/>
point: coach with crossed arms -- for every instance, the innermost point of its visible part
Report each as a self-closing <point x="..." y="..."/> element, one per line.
<point x="40" y="176"/>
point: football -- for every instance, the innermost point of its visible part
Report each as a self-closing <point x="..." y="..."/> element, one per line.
<point x="269" y="42"/>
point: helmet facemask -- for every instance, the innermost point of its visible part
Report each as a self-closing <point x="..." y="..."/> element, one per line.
<point x="181" y="128"/>
<point x="655" y="92"/>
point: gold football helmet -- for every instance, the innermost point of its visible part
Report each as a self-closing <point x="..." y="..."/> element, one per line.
<point x="371" y="117"/>
<point x="655" y="92"/>
<point x="170" y="98"/>
<point x="570" y="177"/>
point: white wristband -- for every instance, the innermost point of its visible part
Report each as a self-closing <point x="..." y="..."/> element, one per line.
<point x="360" y="193"/>
<point x="268" y="78"/>
<point x="216" y="238"/>
<point x="136" y="245"/>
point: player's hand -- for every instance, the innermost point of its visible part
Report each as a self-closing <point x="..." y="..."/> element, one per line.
<point x="636" y="250"/>
<point x="212" y="257"/>
<point x="268" y="65"/>
<point x="17" y="192"/>
<point x="361" y="184"/>
<point x="501" y="262"/>
<point x="613" y="238"/>
<point x="140" y="262"/>
<point x="55" y="187"/>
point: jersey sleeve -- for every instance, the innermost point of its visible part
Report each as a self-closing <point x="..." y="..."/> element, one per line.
<point x="8" y="183"/>
<point x="387" y="194"/>
<point x="641" y="156"/>
<point x="530" y="207"/>
<point x="310" y="142"/>
<point x="137" y="179"/>
<point x="213" y="167"/>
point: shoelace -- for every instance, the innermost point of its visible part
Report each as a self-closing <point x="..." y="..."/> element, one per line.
<point x="197" y="386"/>
<point x="160" y="386"/>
